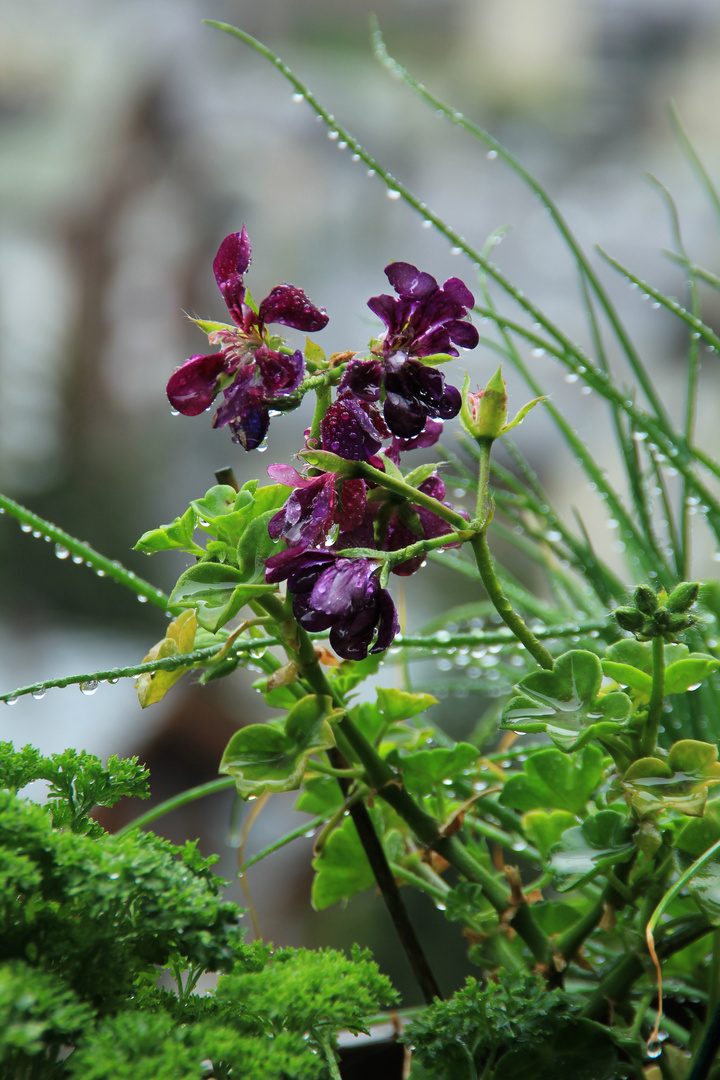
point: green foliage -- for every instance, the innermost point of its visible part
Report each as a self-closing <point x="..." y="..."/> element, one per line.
<point x="552" y="780"/>
<point x="566" y="703"/>
<point x="603" y="841"/>
<point x="266" y="757"/>
<point x="480" y="1025"/>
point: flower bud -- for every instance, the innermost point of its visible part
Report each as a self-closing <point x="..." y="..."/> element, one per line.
<point x="484" y="413"/>
<point x="645" y="600"/>
<point x="629" y="619"/>
<point x="683" y="597"/>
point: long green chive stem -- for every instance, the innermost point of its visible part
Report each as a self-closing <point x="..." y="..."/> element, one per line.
<point x="503" y="606"/>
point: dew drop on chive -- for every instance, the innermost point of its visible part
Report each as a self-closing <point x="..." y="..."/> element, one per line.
<point x="88" y="688"/>
<point x="11" y="701"/>
<point x="392" y="193"/>
<point x="297" y="97"/>
<point x="25" y="527"/>
<point x="491" y="155"/>
<point x="61" y="552"/>
<point x="142" y="599"/>
<point x="38" y="695"/>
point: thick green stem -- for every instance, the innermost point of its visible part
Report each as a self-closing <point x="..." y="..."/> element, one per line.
<point x="323" y="399"/>
<point x="481" y="512"/>
<point x="503" y="606"/>
<point x="657" y="697"/>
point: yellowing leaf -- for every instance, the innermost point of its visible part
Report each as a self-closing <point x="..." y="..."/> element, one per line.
<point x="152" y="686"/>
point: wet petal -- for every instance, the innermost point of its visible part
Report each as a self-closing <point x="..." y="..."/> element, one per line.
<point x="290" y="306"/>
<point x="343" y="586"/>
<point x="229" y="265"/>
<point x="388" y="622"/>
<point x="307" y="516"/>
<point x="353" y="500"/>
<point x="192" y="388"/>
<point x="457" y="291"/>
<point x="352" y="429"/>
<point x="280" y="373"/>
<point x="351" y="637"/>
<point x="363" y="379"/>
<point x="410" y="282"/>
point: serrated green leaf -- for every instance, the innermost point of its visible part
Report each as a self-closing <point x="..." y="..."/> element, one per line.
<point x="418" y="476"/>
<point x="703" y="886"/>
<point x="341" y="868"/>
<point x="566" y="704"/>
<point x="217" y="591"/>
<point x="313" y="353"/>
<point x="602" y="841"/>
<point x="265" y="757"/>
<point x="680" y="783"/>
<point x="320" y="795"/>
<point x="209" y="327"/>
<point x="544" y="828"/>
<point x="683" y="674"/>
<point x="352" y="672"/>
<point x="399" y="705"/>
<point x="255" y="546"/>
<point x="551" y="779"/>
<point x="177" y="535"/>
<point x="425" y="769"/>
<point x="626" y="675"/>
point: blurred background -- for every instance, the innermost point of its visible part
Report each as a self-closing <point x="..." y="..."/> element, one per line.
<point x="132" y="139"/>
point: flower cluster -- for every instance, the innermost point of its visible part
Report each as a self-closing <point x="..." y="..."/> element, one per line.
<point x="393" y="399"/>
<point x="246" y="369"/>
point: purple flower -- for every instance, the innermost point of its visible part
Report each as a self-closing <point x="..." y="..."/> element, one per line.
<point x="315" y="506"/>
<point x="424" y="319"/>
<point x="246" y="369"/>
<point x="410" y="523"/>
<point x="341" y="595"/>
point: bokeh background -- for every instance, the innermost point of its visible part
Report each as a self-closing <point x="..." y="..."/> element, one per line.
<point x="132" y="139"/>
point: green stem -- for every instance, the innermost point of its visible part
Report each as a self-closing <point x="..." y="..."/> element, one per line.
<point x="323" y="400"/>
<point x="82" y="552"/>
<point x="657" y="697"/>
<point x="503" y="606"/>
<point x="176" y="802"/>
<point x="481" y="512"/>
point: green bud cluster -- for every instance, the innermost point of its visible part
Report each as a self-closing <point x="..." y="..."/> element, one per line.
<point x="652" y="615"/>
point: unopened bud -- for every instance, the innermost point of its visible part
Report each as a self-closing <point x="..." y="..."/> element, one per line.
<point x="683" y="597"/>
<point x="483" y="414"/>
<point x="629" y="619"/>
<point x="645" y="600"/>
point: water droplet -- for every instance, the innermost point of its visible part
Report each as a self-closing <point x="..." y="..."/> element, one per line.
<point x="355" y="157"/>
<point x="114" y="876"/>
<point x="61" y="552"/>
<point x="142" y="599"/>
<point x="38" y="694"/>
<point x="77" y="559"/>
<point x="572" y="377"/>
<point x="100" y="573"/>
<point x="653" y="1049"/>
<point x="342" y="145"/>
<point x="88" y="688"/>
<point x="262" y="448"/>
<point x="174" y="412"/>
<point x="538" y="351"/>
<point x="392" y="193"/>
<point x="456" y="250"/>
<point x="491" y="155"/>
<point x="114" y="681"/>
<point x="297" y="96"/>
<point x="333" y="135"/>
<point x="639" y="436"/>
<point x="11" y="701"/>
<point x="371" y="172"/>
<point x="553" y="535"/>
<point x="25" y="527"/>
<point x="586" y="390"/>
<point x="427" y="224"/>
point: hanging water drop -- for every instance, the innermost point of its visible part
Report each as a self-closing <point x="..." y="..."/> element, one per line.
<point x="142" y="599"/>
<point x="11" y="701"/>
<point x="25" y="527"/>
<point x="297" y="97"/>
<point x="333" y="135"/>
<point x="392" y="193"/>
<point x="491" y="155"/>
<point x="38" y="694"/>
<point x="77" y="559"/>
<point x="88" y="688"/>
<point x="61" y="552"/>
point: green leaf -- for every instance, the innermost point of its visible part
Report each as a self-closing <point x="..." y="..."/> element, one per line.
<point x="255" y="545"/>
<point x="680" y="783"/>
<point x="687" y="673"/>
<point x="179" y="534"/>
<point x="626" y="675"/>
<point x="699" y="834"/>
<point x="566" y="704"/>
<point x="602" y="841"/>
<point x="152" y="686"/>
<point x="638" y="654"/>
<point x="579" y="1051"/>
<point x="703" y="886"/>
<point x="544" y="828"/>
<point x="209" y="327"/>
<point x="217" y="591"/>
<point x="552" y="779"/>
<point x="313" y="353"/>
<point x="353" y="672"/>
<point x="265" y="757"/>
<point x="399" y="705"/>
<point x="425" y="769"/>
<point x="418" y="476"/>
<point x="342" y="869"/>
<point x="320" y="795"/>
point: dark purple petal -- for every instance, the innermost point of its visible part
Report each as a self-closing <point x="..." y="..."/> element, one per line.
<point x="457" y="291"/>
<point x="409" y="282"/>
<point x="389" y="310"/>
<point x="450" y="403"/>
<point x="229" y="265"/>
<point x="351" y="637"/>
<point x="344" y="586"/>
<point x="307" y="516"/>
<point x="405" y="418"/>
<point x="300" y="567"/>
<point x="290" y="306"/>
<point x="251" y="426"/>
<point x="363" y="378"/>
<point x="234" y="396"/>
<point x="388" y="622"/>
<point x="285" y="474"/>
<point x="463" y="334"/>
<point x="193" y="386"/>
<point x="352" y="429"/>
<point x="280" y="373"/>
<point x="427" y="437"/>
<point x="353" y="500"/>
